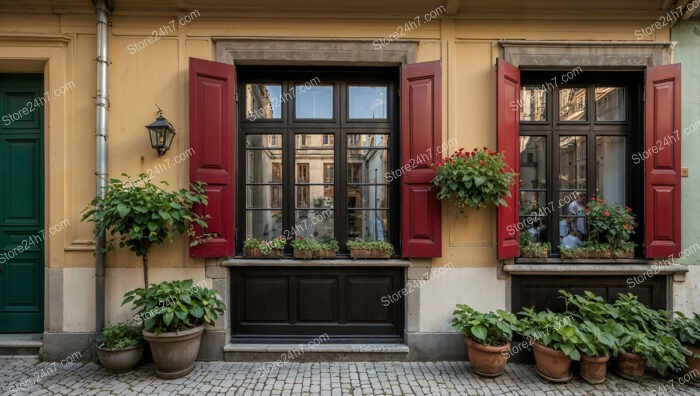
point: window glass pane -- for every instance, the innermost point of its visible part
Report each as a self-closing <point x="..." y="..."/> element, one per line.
<point x="263" y="101"/>
<point x="318" y="223"/>
<point x="263" y="141"/>
<point x="572" y="163"/>
<point x="314" y="102"/>
<point x="314" y="172"/>
<point x="263" y="224"/>
<point x="572" y="104"/>
<point x="261" y="166"/>
<point x="264" y="196"/>
<point x="533" y="104"/>
<point x="612" y="172"/>
<point x="368" y="197"/>
<point x="610" y="104"/>
<point x="533" y="162"/>
<point x="368" y="224"/>
<point x="368" y="140"/>
<point x="571" y="214"/>
<point x="366" y="102"/>
<point x="533" y="214"/>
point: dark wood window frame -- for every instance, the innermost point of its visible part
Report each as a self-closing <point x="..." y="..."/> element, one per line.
<point x="340" y="126"/>
<point x="632" y="129"/>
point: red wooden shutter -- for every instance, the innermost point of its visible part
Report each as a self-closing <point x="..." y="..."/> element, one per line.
<point x="508" y="115"/>
<point x="421" y="144"/>
<point x="662" y="179"/>
<point x="212" y="140"/>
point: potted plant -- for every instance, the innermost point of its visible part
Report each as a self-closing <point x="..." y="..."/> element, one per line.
<point x="255" y="248"/>
<point x="175" y="314"/>
<point x="555" y="339"/>
<point x="473" y="179"/>
<point x="567" y="253"/>
<point x="488" y="338"/>
<point x="140" y="214"/>
<point x="306" y="248"/>
<point x="597" y="321"/>
<point x="687" y="331"/>
<point x="610" y="223"/>
<point x="648" y="337"/>
<point x="370" y="249"/>
<point x="529" y="248"/>
<point x="121" y="348"/>
<point x="327" y="249"/>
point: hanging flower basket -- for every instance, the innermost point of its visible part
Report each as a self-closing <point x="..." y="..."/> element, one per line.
<point x="474" y="178"/>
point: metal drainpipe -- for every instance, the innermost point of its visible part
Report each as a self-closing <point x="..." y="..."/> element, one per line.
<point x="101" y="107"/>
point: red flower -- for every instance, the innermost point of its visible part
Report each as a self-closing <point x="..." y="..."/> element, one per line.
<point x="592" y="198"/>
<point x="607" y="213"/>
<point x="482" y="163"/>
<point x="602" y="201"/>
<point x="586" y="210"/>
<point x="486" y="148"/>
<point x="301" y="238"/>
<point x="628" y="208"/>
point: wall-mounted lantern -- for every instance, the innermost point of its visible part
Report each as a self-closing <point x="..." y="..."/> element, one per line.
<point x="161" y="132"/>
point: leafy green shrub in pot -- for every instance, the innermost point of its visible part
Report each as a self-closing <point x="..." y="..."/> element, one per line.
<point x="687" y="331"/>
<point x="175" y="314"/>
<point x="121" y="349"/>
<point x="649" y="332"/>
<point x="312" y="248"/>
<point x="555" y="339"/>
<point x="488" y="338"/>
<point x="600" y="342"/>
<point x="140" y="214"/>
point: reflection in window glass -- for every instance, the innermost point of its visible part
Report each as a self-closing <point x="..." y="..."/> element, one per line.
<point x="533" y="213"/>
<point x="610" y="104"/>
<point x="263" y="102"/>
<point x="533" y="162"/>
<point x="314" y="102"/>
<point x="263" y="224"/>
<point x="366" y="102"/>
<point x="610" y="160"/>
<point x="368" y="194"/>
<point x="572" y="162"/>
<point x="533" y="104"/>
<point x="572" y="104"/>
<point x="317" y="223"/>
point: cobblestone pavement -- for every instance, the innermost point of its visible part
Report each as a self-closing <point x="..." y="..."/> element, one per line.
<point x="324" y="378"/>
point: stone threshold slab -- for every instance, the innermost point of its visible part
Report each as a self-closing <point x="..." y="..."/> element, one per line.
<point x="593" y="269"/>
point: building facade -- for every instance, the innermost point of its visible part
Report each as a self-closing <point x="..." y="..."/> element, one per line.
<point x="319" y="120"/>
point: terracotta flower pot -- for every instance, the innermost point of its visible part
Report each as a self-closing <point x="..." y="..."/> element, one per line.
<point x="693" y="362"/>
<point x="630" y="366"/>
<point x="174" y="353"/>
<point x="552" y="365"/>
<point x="487" y="361"/>
<point x="594" y="369"/>
<point x="257" y="253"/>
<point x="303" y="253"/>
<point x="120" y="360"/>
<point x="366" y="253"/>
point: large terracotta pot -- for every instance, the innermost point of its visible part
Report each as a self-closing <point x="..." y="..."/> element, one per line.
<point x="174" y="353"/>
<point x="594" y="369"/>
<point x="693" y="363"/>
<point x="487" y="361"/>
<point x="120" y="360"/>
<point x="630" y="366"/>
<point x="552" y="365"/>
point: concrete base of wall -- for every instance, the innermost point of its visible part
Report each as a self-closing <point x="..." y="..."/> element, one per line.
<point x="59" y="346"/>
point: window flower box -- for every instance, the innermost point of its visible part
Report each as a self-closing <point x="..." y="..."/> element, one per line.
<point x="370" y="249"/>
<point x="258" y="253"/>
<point x="311" y="248"/>
<point x="255" y="248"/>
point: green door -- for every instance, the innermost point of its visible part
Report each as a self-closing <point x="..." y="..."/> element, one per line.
<point x="21" y="203"/>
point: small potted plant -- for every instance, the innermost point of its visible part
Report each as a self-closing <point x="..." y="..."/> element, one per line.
<point x="175" y="314"/>
<point x="474" y="178"/>
<point x="555" y="339"/>
<point x="581" y="252"/>
<point x="121" y="348"/>
<point x="613" y="224"/>
<point x="649" y="338"/>
<point x="255" y="248"/>
<point x="327" y="249"/>
<point x="599" y="344"/>
<point x="526" y="242"/>
<point x="687" y="331"/>
<point x="488" y="338"/>
<point x="307" y="248"/>
<point x="370" y="249"/>
<point x="625" y="250"/>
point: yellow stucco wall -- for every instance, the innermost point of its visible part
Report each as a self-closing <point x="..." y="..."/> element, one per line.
<point x="64" y="48"/>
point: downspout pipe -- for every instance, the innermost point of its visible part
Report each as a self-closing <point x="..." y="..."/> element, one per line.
<point x="101" y="108"/>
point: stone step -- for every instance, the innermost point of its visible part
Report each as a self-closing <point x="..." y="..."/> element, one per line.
<point x="21" y="344"/>
<point x="240" y="352"/>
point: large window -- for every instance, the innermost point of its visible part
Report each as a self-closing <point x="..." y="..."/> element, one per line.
<point x="318" y="145"/>
<point x="576" y="142"/>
